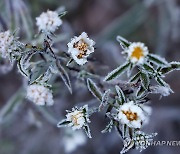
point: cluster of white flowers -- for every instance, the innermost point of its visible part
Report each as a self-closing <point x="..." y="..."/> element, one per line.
<point x="78" y="118"/>
<point x="48" y="21"/>
<point x="133" y="115"/>
<point x="137" y="52"/>
<point x="80" y="48"/>
<point x="7" y="44"/>
<point x="40" y="95"/>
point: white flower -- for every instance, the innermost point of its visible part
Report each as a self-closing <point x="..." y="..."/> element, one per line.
<point x="133" y="115"/>
<point x="72" y="140"/>
<point x="77" y="118"/>
<point x="48" y="21"/>
<point x="40" y="95"/>
<point x="7" y="44"/>
<point x="137" y="52"/>
<point x="80" y="48"/>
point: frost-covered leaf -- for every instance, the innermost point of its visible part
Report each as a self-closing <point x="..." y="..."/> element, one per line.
<point x="135" y="77"/>
<point x="128" y="144"/>
<point x="21" y="68"/>
<point x="140" y="91"/>
<point x="64" y="75"/>
<point x="123" y="42"/>
<point x="92" y="87"/>
<point x="144" y="80"/>
<point x="173" y="66"/>
<point x="117" y="72"/>
<point x="161" y="82"/>
<point x="163" y="91"/>
<point x="155" y="59"/>
<point x="108" y="127"/>
<point x="105" y="99"/>
<point x="63" y="123"/>
<point x="120" y="94"/>
<point x="148" y="68"/>
<point x="87" y="131"/>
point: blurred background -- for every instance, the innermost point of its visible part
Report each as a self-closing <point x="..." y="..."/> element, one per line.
<point x="27" y="129"/>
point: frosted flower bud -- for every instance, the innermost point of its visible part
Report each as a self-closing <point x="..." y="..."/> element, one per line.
<point x="137" y="52"/>
<point x="80" y="48"/>
<point x="7" y="44"/>
<point x="133" y="115"/>
<point x="40" y="95"/>
<point x="48" y="21"/>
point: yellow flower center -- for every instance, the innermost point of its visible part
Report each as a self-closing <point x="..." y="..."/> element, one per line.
<point x="75" y="118"/>
<point x="137" y="53"/>
<point x="82" y="47"/>
<point x="130" y="115"/>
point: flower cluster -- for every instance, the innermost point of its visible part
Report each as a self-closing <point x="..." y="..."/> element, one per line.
<point x="40" y="95"/>
<point x="48" y="21"/>
<point x="7" y="44"/>
<point x="133" y="115"/>
<point x="80" y="48"/>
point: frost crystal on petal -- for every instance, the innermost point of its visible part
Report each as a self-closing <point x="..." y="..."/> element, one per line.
<point x="80" y="48"/>
<point x="40" y="95"/>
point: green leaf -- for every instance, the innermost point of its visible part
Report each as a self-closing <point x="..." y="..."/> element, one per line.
<point x="105" y="99"/>
<point x="173" y="66"/>
<point x="148" y="68"/>
<point x="135" y="77"/>
<point x="63" y="123"/>
<point x="120" y="94"/>
<point x="123" y="42"/>
<point x="140" y="91"/>
<point x="87" y="131"/>
<point x="145" y="80"/>
<point x="117" y="72"/>
<point x="157" y="60"/>
<point x="94" y="89"/>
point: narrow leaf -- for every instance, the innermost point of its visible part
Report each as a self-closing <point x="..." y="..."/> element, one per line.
<point x="157" y="60"/>
<point x="117" y="72"/>
<point x="145" y="80"/>
<point x="94" y="89"/>
<point x="121" y="95"/>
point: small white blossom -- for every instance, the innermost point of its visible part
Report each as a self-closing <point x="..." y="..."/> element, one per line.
<point x="137" y="52"/>
<point x="133" y="115"/>
<point x="72" y="140"/>
<point x="80" y="48"/>
<point x="40" y="95"/>
<point x="48" y="21"/>
<point x="7" y="44"/>
<point x="78" y="118"/>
